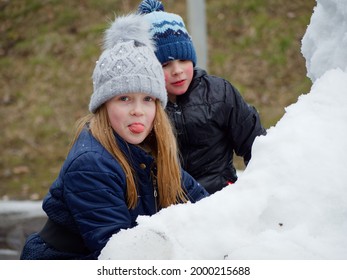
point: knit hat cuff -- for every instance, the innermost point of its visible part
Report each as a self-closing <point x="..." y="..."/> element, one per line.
<point x="127" y="84"/>
<point x="182" y="50"/>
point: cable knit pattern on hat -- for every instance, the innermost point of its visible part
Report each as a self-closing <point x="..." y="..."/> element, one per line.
<point x="169" y="33"/>
<point x="128" y="63"/>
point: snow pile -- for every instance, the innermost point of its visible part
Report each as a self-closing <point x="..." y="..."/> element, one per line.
<point x="291" y="201"/>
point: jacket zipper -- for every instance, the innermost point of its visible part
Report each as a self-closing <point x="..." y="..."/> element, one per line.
<point x="155" y="190"/>
<point x="155" y="200"/>
<point x="180" y="126"/>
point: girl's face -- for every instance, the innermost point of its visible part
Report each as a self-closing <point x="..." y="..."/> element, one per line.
<point x="178" y="76"/>
<point x="131" y="116"/>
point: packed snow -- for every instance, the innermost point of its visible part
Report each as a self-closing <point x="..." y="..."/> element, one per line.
<point x="291" y="201"/>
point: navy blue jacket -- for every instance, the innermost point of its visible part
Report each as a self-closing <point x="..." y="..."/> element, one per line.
<point x="213" y="122"/>
<point x="89" y="196"/>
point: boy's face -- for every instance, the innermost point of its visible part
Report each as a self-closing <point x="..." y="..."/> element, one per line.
<point x="178" y="76"/>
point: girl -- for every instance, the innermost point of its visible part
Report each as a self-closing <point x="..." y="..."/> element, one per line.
<point x="123" y="162"/>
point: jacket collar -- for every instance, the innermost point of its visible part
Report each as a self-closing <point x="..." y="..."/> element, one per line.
<point x="134" y="153"/>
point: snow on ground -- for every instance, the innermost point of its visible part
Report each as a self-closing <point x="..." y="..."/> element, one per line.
<point x="23" y="208"/>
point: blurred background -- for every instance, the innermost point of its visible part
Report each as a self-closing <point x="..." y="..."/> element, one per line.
<point x="48" y="50"/>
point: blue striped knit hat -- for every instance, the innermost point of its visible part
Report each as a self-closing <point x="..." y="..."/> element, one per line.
<point x="169" y="33"/>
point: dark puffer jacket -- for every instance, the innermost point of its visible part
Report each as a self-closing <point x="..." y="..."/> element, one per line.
<point x="87" y="202"/>
<point x="212" y="122"/>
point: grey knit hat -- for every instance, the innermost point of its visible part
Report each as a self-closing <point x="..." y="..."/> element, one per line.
<point x="128" y="63"/>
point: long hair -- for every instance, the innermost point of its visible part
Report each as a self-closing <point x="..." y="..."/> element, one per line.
<point x="163" y="147"/>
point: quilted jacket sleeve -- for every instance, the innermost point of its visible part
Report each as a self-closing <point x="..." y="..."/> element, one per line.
<point x="94" y="191"/>
<point x="194" y="190"/>
<point x="244" y="123"/>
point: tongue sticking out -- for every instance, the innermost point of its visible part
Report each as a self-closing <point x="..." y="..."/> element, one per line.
<point x="136" y="128"/>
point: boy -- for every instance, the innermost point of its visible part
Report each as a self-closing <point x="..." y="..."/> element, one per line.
<point x="211" y="118"/>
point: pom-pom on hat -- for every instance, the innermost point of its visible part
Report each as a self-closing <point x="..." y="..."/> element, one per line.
<point x="169" y="33"/>
<point x="128" y="63"/>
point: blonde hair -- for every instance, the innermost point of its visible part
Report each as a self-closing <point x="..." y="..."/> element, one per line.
<point x="163" y="147"/>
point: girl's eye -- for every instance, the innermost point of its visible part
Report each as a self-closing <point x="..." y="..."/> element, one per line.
<point x="123" y="98"/>
<point x="149" y="98"/>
